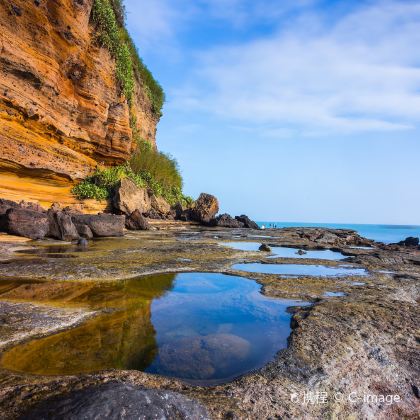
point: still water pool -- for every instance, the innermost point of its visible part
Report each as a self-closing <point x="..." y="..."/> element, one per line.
<point x="204" y="328"/>
<point x="300" y="269"/>
<point x="287" y="252"/>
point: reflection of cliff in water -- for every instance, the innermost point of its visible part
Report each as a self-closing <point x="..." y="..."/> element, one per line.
<point x="124" y="338"/>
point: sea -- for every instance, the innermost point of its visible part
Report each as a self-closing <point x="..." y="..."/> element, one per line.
<point x="380" y="233"/>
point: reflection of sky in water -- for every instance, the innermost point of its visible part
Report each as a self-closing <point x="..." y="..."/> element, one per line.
<point x="205" y="328"/>
<point x="334" y="294"/>
<point x="208" y="316"/>
<point x="299" y="269"/>
<point x="286" y="252"/>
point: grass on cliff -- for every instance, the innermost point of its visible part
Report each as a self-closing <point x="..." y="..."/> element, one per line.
<point x="148" y="168"/>
<point x="109" y="16"/>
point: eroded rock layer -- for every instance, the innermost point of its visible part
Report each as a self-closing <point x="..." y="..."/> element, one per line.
<point x="61" y="109"/>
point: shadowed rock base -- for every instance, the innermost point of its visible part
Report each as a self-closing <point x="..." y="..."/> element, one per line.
<point x="116" y="401"/>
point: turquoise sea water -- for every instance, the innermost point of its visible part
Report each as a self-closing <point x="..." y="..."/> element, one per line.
<point x="380" y="233"/>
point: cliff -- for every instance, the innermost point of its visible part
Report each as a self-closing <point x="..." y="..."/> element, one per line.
<point x="62" y="111"/>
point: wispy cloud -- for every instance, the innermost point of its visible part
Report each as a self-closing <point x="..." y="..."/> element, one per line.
<point x="356" y="72"/>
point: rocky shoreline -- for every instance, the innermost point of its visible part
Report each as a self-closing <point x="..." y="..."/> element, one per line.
<point x="131" y="208"/>
<point x="363" y="342"/>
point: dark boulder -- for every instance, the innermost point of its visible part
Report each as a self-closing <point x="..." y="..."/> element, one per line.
<point x="128" y="197"/>
<point x="264" y="248"/>
<point x="136" y="221"/>
<point x="101" y="225"/>
<point x="248" y="223"/>
<point x="410" y="241"/>
<point x="227" y="221"/>
<point x="160" y="205"/>
<point x="181" y="212"/>
<point x="6" y="205"/>
<point x="205" y="208"/>
<point x="116" y="400"/>
<point x="301" y="252"/>
<point x="83" y="230"/>
<point x="154" y="214"/>
<point x="27" y="223"/>
<point x="61" y="226"/>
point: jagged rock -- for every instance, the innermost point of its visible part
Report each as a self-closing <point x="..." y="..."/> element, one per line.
<point x="160" y="205"/>
<point x="27" y="223"/>
<point x="332" y="237"/>
<point x="227" y="221"/>
<point x="264" y="248"/>
<point x="28" y="205"/>
<point x="75" y="208"/>
<point x="301" y="252"/>
<point x="154" y="214"/>
<point x="128" y="197"/>
<point x="116" y="401"/>
<point x="205" y="208"/>
<point x="61" y="226"/>
<point x="55" y="207"/>
<point x="6" y="205"/>
<point x="83" y="230"/>
<point x="181" y="212"/>
<point x="136" y="221"/>
<point x="248" y="223"/>
<point x="36" y="101"/>
<point x="410" y="241"/>
<point x="101" y="224"/>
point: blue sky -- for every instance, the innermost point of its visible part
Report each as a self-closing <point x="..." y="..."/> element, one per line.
<point x="291" y="110"/>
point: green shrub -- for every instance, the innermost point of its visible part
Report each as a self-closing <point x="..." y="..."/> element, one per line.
<point x="153" y="89"/>
<point x="109" y="16"/>
<point x="119" y="10"/>
<point x="87" y="189"/>
<point x="156" y="167"/>
<point x="102" y="182"/>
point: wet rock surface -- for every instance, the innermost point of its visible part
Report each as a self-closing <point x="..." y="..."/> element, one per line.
<point x="118" y="400"/>
<point x="364" y="342"/>
<point x="23" y="320"/>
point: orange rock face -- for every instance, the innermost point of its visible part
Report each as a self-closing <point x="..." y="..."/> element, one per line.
<point x="61" y="110"/>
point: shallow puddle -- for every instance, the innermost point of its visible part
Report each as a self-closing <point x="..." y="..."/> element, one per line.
<point x="334" y="294"/>
<point x="357" y="283"/>
<point x="324" y="254"/>
<point x="286" y="252"/>
<point x="55" y="251"/>
<point x="300" y="269"/>
<point x="204" y="328"/>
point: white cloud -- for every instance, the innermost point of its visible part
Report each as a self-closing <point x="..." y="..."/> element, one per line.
<point x="351" y="72"/>
<point x="360" y="74"/>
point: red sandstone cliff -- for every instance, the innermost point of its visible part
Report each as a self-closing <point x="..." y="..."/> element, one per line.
<point x="61" y="111"/>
